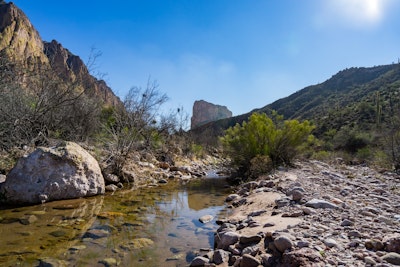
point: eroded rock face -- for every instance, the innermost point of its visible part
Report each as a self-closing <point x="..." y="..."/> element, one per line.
<point x="18" y="38"/>
<point x="71" y="68"/>
<point x="20" y="43"/>
<point x="204" y="112"/>
<point x="63" y="172"/>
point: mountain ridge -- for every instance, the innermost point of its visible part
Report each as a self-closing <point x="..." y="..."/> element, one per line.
<point x="20" y="43"/>
<point x="349" y="95"/>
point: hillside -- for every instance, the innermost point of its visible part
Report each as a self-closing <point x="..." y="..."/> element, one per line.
<point x="22" y="46"/>
<point x="354" y="96"/>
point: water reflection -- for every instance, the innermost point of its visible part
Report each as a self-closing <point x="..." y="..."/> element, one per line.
<point x="147" y="227"/>
<point x="45" y="230"/>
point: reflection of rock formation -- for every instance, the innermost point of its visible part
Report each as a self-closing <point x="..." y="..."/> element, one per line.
<point x="198" y="201"/>
<point x="45" y="230"/>
<point x="204" y="112"/>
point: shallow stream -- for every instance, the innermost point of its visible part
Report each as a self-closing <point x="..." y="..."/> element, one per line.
<point x="156" y="226"/>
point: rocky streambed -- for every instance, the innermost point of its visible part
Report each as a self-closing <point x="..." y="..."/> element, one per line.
<point x="312" y="215"/>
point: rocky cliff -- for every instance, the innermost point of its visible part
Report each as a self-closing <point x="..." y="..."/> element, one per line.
<point x="204" y="112"/>
<point x="20" y="43"/>
<point x="72" y="69"/>
<point x="18" y="38"/>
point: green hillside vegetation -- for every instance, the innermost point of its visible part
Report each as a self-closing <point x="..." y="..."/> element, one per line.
<point x="356" y="114"/>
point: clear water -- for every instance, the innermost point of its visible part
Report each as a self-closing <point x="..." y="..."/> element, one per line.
<point x="155" y="226"/>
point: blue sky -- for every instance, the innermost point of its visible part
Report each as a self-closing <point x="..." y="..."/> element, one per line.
<point x="238" y="53"/>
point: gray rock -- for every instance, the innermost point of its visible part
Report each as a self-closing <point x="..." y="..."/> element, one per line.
<point x="303" y="244"/>
<point x="249" y="261"/>
<point x="320" y="204"/>
<point x="392" y="257"/>
<point x="269" y="224"/>
<point x="385" y="220"/>
<point x="252" y="250"/>
<point x="330" y="243"/>
<point x="250" y="239"/>
<point x="283" y="243"/>
<point x="282" y="202"/>
<point x="49" y="262"/>
<point x="96" y="233"/>
<point x="111" y="178"/>
<point x="392" y="243"/>
<point x="354" y="233"/>
<point x="224" y="240"/>
<point x="250" y="185"/>
<point x="257" y="213"/>
<point x="206" y="218"/>
<point x="268" y="184"/>
<point x="346" y="222"/>
<point x="302" y="257"/>
<point x="220" y="256"/>
<point x="28" y="219"/>
<point x="108" y="262"/>
<point x="235" y="251"/>
<point x="199" y="261"/>
<point x="111" y="188"/>
<point x="370" y="261"/>
<point x="62" y="172"/>
<point x="297" y="195"/>
<point x="2" y="178"/>
<point x="307" y="211"/>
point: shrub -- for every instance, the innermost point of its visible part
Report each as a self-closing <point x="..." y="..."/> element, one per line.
<point x="260" y="165"/>
<point x="273" y="137"/>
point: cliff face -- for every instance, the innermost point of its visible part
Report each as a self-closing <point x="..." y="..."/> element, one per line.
<point x="19" y="40"/>
<point x="20" y="43"/>
<point x="204" y="112"/>
<point x="72" y="69"/>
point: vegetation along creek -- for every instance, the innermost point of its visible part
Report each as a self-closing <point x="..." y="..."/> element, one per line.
<point x="156" y="226"/>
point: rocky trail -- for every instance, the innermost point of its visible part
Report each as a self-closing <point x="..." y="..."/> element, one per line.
<point x="312" y="215"/>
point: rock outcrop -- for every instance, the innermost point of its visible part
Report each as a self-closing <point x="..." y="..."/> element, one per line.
<point x="63" y="172"/>
<point x="72" y="69"/>
<point x="18" y="38"/>
<point x="204" y="112"/>
<point x="21" y="45"/>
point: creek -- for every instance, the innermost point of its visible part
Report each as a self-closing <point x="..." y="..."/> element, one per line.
<point x="152" y="226"/>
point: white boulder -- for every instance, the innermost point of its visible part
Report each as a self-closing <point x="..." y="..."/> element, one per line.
<point x="63" y="172"/>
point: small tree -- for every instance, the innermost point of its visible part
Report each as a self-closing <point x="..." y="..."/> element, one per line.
<point x="264" y="136"/>
<point x="133" y="124"/>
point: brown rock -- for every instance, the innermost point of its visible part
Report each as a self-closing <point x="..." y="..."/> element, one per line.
<point x="249" y="261"/>
<point x="302" y="257"/>
<point x="204" y="112"/>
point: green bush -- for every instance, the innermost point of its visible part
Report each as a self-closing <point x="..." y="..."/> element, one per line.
<point x="273" y="137"/>
<point x="260" y="165"/>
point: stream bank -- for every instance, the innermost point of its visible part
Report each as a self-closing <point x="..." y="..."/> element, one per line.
<point x="316" y="214"/>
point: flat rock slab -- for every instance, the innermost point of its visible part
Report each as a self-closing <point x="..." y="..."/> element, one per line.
<point x="320" y="204"/>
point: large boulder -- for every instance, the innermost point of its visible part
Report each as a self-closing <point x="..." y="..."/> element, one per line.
<point x="62" y="172"/>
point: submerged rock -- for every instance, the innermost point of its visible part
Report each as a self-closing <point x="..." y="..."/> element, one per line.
<point x="206" y="218"/>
